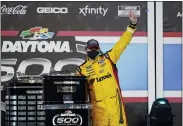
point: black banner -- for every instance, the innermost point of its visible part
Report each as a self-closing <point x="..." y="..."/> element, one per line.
<point x="74" y="16"/>
<point x="172" y="16"/>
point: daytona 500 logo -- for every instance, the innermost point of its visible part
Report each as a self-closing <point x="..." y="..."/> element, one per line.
<point x="38" y="50"/>
<point x="8" y="66"/>
<point x="67" y="119"/>
<point x="34" y="34"/>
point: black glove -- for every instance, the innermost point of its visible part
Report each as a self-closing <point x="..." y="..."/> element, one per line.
<point x="133" y="26"/>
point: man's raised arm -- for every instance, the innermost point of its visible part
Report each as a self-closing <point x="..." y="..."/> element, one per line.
<point x="124" y="40"/>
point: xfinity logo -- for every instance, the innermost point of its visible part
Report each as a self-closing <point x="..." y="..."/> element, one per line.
<point x="53" y="10"/>
<point x="100" y="11"/>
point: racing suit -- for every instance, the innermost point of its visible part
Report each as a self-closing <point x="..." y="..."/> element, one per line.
<point x="103" y="84"/>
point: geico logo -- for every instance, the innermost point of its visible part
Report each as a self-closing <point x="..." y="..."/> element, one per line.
<point x="56" y="10"/>
<point x="104" y="77"/>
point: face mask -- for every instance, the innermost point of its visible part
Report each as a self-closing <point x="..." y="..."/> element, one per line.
<point x="92" y="54"/>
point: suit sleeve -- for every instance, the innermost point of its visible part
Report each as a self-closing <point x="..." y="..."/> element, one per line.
<point x="78" y="71"/>
<point x="121" y="45"/>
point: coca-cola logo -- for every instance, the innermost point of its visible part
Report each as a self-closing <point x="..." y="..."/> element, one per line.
<point x="19" y="9"/>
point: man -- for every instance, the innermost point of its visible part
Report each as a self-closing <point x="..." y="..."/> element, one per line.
<point x="103" y="84"/>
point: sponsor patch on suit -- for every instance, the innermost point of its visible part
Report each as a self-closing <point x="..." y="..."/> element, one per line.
<point x="101" y="61"/>
<point x="89" y="67"/>
<point x="102" y="65"/>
